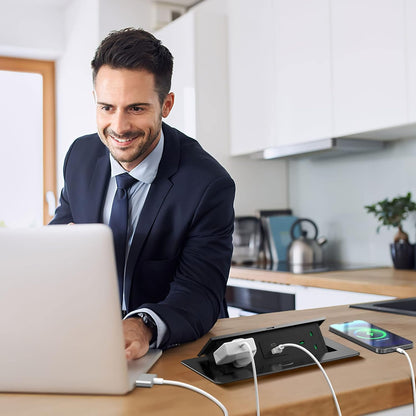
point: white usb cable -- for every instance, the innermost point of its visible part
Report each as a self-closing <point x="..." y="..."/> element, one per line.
<point x="402" y="351"/>
<point x="240" y="352"/>
<point x="253" y="366"/>
<point x="281" y="347"/>
<point x="148" y="380"/>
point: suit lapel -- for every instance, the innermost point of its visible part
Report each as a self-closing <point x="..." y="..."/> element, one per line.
<point x="97" y="188"/>
<point x="157" y="194"/>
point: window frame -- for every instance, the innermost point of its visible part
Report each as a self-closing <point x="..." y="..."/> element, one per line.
<point x="47" y="70"/>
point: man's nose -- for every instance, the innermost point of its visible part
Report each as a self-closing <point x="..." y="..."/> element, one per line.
<point x="120" y="123"/>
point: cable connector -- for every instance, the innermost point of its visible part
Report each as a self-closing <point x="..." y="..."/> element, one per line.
<point x="278" y="350"/>
<point x="235" y="352"/>
<point x="146" y="380"/>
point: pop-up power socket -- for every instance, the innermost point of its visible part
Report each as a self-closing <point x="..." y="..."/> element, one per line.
<point x="227" y="349"/>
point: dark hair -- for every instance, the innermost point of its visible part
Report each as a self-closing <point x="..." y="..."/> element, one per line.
<point x="136" y="49"/>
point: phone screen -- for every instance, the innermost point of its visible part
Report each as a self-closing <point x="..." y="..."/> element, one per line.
<point x="370" y="336"/>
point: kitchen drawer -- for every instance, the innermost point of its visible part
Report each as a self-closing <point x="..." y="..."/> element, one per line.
<point x="306" y="297"/>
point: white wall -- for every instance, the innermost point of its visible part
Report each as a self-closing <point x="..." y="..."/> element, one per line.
<point x="74" y="98"/>
<point x="334" y="191"/>
<point x="115" y="15"/>
<point x="30" y="30"/>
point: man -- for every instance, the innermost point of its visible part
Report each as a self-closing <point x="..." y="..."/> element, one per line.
<point x="173" y="263"/>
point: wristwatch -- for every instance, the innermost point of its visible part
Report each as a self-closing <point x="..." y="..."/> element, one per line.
<point x="150" y="323"/>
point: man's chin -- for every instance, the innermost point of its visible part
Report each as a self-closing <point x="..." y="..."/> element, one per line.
<point x="122" y="156"/>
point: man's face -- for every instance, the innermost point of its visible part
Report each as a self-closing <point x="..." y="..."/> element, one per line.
<point x="129" y="114"/>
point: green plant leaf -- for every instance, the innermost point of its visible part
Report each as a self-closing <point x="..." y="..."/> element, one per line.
<point x="392" y="212"/>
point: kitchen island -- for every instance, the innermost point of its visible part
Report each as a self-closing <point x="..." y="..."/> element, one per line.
<point x="364" y="384"/>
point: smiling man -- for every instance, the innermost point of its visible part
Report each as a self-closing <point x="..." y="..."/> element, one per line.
<point x="168" y="202"/>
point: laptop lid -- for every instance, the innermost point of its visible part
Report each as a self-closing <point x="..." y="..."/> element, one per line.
<point x="60" y="318"/>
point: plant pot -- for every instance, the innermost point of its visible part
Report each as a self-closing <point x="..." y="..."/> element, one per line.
<point x="403" y="255"/>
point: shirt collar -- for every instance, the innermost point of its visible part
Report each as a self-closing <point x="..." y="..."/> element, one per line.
<point x="146" y="170"/>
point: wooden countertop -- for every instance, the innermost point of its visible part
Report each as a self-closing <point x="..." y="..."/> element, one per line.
<point x="380" y="281"/>
<point x="368" y="383"/>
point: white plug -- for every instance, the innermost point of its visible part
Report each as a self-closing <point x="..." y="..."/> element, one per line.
<point x="278" y="350"/>
<point x="235" y="352"/>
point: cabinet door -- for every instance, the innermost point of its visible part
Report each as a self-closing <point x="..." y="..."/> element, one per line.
<point x="369" y="68"/>
<point x="302" y="96"/>
<point x="251" y="75"/>
<point x="179" y="38"/>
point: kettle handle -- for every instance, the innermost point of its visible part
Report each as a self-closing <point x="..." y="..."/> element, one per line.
<point x="292" y="228"/>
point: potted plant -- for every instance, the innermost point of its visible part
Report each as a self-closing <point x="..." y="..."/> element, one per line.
<point x="392" y="213"/>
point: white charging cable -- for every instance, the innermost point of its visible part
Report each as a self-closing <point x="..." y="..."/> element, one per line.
<point x="240" y="352"/>
<point x="281" y="347"/>
<point x="253" y="366"/>
<point x="402" y="351"/>
<point x="148" y="380"/>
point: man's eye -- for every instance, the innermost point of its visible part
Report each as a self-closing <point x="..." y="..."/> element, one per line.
<point x="136" y="109"/>
<point x="105" y="108"/>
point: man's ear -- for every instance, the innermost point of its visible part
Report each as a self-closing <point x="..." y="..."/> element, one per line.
<point x="168" y="104"/>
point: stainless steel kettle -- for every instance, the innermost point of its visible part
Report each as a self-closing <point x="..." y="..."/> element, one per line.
<point x="305" y="251"/>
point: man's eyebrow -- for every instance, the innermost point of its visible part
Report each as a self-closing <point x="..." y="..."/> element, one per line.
<point x="128" y="105"/>
<point x="139" y="105"/>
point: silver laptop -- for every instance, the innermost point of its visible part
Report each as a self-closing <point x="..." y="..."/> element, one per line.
<point x="60" y="319"/>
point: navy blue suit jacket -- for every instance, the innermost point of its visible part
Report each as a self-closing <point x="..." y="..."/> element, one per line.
<point x="181" y="251"/>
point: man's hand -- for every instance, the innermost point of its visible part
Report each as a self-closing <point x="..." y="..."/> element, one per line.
<point x="137" y="337"/>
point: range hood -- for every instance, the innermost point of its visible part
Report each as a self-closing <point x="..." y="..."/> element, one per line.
<point x="353" y="143"/>
<point x="322" y="147"/>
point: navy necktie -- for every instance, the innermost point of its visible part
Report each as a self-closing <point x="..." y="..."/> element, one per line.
<point x="119" y="222"/>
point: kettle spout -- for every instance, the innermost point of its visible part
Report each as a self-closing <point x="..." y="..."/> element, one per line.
<point x="321" y="240"/>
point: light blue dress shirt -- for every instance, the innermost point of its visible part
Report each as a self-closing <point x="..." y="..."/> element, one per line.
<point x="145" y="173"/>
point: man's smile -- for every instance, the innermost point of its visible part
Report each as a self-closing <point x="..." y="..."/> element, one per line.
<point x="119" y="140"/>
<point x="123" y="139"/>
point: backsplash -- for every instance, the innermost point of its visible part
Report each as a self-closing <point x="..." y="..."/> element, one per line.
<point x="333" y="193"/>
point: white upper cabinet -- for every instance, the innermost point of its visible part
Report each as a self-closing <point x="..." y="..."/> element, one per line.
<point x="369" y="65"/>
<point x="302" y="80"/>
<point x="179" y="38"/>
<point x="303" y="70"/>
<point x="251" y="75"/>
<point x="279" y="63"/>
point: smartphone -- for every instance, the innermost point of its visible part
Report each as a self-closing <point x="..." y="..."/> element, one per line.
<point x="370" y="336"/>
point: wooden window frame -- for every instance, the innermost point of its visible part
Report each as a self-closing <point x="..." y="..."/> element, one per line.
<point x="47" y="70"/>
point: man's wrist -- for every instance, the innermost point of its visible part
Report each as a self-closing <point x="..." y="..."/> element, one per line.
<point x="149" y="323"/>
